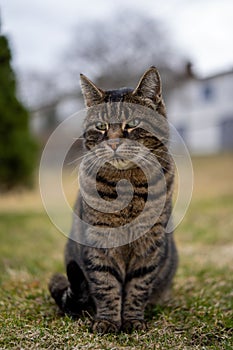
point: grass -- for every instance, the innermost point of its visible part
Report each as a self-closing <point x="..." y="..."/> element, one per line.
<point x="199" y="315"/>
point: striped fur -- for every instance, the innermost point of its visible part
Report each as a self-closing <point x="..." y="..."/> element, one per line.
<point x="136" y="270"/>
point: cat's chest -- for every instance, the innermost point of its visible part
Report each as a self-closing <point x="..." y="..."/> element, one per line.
<point x="120" y="196"/>
<point x="100" y="214"/>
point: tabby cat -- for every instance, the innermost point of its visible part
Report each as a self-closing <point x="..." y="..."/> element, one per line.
<point x="119" y="262"/>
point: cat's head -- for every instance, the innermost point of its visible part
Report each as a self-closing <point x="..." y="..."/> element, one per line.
<point x="120" y="122"/>
<point x="148" y="92"/>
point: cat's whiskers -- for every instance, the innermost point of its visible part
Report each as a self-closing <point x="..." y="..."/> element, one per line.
<point x="92" y="166"/>
<point x="77" y="159"/>
<point x="148" y="163"/>
<point x="170" y="153"/>
<point x="97" y="161"/>
<point x="166" y="161"/>
<point x="75" y="171"/>
<point x="155" y="153"/>
<point x="150" y="160"/>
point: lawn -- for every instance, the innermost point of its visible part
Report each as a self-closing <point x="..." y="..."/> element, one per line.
<point x="199" y="314"/>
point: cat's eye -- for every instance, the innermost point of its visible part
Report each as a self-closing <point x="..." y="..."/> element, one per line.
<point x="132" y="124"/>
<point x="101" y="126"/>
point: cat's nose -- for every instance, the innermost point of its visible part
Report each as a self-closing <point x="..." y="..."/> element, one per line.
<point x="114" y="143"/>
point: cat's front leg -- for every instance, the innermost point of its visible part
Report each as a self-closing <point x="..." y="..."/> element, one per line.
<point x="105" y="285"/>
<point x="106" y="293"/>
<point x="138" y="288"/>
<point x="134" y="303"/>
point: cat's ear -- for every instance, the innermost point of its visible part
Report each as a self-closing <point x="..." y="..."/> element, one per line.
<point x="91" y="93"/>
<point x="149" y="85"/>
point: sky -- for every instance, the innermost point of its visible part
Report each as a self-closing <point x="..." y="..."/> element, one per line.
<point x="40" y="30"/>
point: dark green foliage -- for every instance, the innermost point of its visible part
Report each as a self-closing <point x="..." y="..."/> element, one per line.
<point x="17" y="148"/>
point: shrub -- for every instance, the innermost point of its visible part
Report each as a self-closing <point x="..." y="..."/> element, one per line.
<point x="17" y="147"/>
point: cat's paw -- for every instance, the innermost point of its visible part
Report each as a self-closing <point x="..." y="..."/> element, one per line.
<point x="105" y="326"/>
<point x="133" y="325"/>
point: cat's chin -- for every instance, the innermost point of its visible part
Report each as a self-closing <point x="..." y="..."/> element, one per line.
<point x="122" y="164"/>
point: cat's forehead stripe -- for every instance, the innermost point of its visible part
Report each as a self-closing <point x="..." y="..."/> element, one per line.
<point x="111" y="111"/>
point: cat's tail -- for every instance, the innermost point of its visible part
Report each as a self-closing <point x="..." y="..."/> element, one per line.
<point x="70" y="302"/>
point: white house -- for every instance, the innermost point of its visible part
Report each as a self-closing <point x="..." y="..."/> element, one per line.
<point x="202" y="111"/>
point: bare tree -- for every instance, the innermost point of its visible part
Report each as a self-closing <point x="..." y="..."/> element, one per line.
<point x="113" y="52"/>
<point x="116" y="50"/>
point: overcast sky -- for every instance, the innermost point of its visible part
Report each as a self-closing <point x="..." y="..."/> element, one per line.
<point x="40" y="30"/>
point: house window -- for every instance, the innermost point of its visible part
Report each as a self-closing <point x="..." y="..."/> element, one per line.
<point x="208" y="93"/>
<point x="226" y="132"/>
